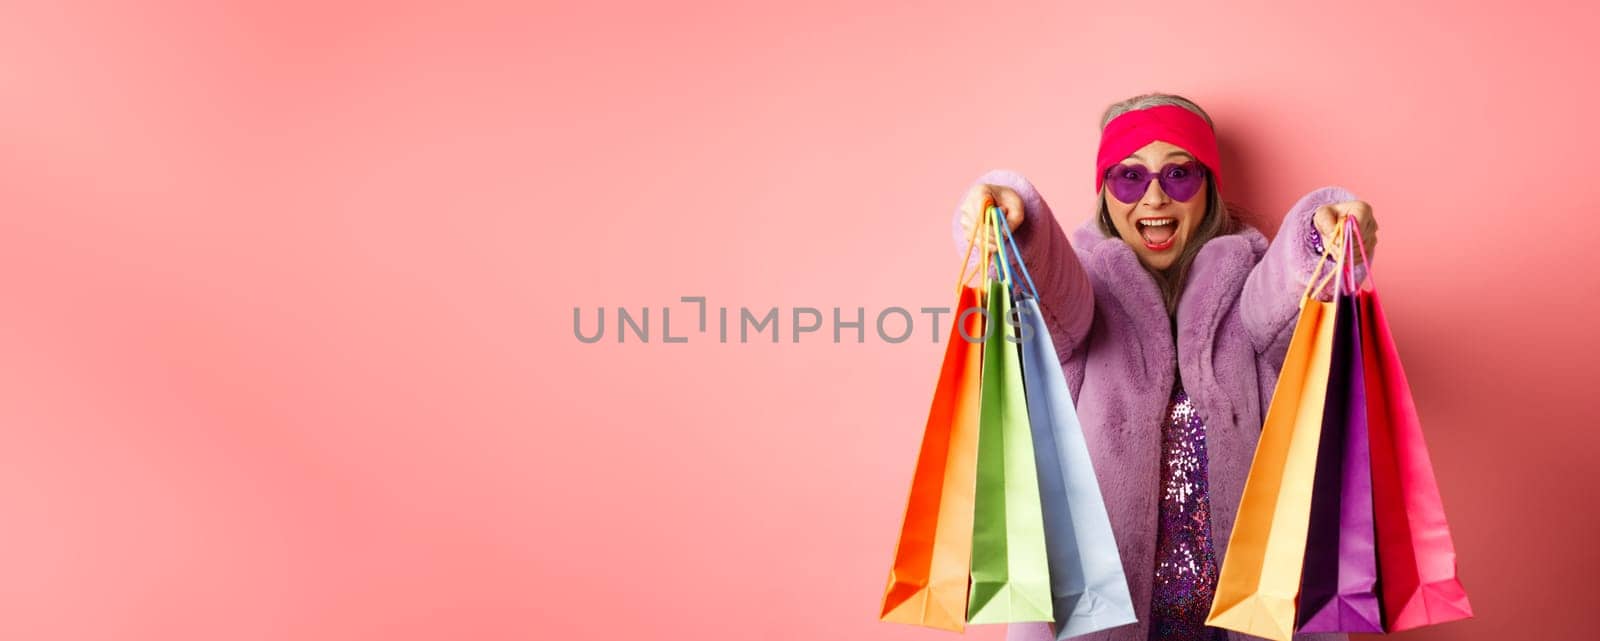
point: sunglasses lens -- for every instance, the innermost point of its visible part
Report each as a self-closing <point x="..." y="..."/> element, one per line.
<point x="1182" y="182"/>
<point x="1128" y="182"/>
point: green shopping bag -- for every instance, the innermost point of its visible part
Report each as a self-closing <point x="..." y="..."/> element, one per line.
<point x="1010" y="571"/>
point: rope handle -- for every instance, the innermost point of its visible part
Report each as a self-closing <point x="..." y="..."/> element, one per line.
<point x="1365" y="260"/>
<point x="966" y="260"/>
<point x="1318" y="281"/>
<point x="1028" y="278"/>
<point x="1344" y="264"/>
<point x="997" y="223"/>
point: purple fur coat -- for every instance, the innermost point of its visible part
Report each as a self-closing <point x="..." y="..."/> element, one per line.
<point x="1114" y="339"/>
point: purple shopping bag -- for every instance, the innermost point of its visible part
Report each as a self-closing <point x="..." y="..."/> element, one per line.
<point x="1338" y="587"/>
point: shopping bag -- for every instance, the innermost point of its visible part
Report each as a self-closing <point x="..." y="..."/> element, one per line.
<point x="1260" y="575"/>
<point x="1010" y="568"/>
<point x="1088" y="589"/>
<point x="930" y="574"/>
<point x="1416" y="556"/>
<point x="1338" y="588"/>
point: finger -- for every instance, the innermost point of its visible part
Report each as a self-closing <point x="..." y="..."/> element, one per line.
<point x="970" y="212"/>
<point x="1360" y="216"/>
<point x="1367" y="227"/>
<point x="1325" y="219"/>
<point x="1011" y="204"/>
<point x="1362" y="213"/>
<point x="1359" y="211"/>
<point x="995" y="202"/>
<point x="978" y="199"/>
<point x="978" y="193"/>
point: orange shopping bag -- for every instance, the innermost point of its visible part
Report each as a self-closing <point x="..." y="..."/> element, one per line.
<point x="929" y="579"/>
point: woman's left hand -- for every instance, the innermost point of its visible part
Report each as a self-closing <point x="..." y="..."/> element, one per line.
<point x="1328" y="217"/>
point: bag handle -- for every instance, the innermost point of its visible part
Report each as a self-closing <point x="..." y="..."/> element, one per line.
<point x="988" y="225"/>
<point x="1012" y="242"/>
<point x="996" y="223"/>
<point x="1318" y="280"/>
<point x="1348" y="229"/>
<point x="966" y="260"/>
<point x="1365" y="260"/>
<point x="1344" y="264"/>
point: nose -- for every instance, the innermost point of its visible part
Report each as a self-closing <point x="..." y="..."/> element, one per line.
<point x="1154" y="195"/>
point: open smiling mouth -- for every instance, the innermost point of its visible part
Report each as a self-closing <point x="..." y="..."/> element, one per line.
<point x="1158" y="233"/>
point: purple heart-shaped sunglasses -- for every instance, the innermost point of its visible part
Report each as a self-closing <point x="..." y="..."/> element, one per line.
<point x="1181" y="181"/>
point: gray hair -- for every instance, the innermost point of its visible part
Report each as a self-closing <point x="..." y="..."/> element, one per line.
<point x="1149" y="100"/>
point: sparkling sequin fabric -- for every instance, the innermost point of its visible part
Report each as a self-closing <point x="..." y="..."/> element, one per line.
<point x="1186" y="568"/>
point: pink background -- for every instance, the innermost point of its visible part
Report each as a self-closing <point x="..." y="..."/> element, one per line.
<point x="288" y="292"/>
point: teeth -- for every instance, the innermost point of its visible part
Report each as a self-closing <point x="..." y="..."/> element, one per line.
<point x="1158" y="222"/>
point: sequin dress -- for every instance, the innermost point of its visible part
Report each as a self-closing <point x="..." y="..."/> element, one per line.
<point x="1186" y="567"/>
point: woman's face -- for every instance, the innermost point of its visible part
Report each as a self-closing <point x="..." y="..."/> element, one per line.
<point x="1156" y="225"/>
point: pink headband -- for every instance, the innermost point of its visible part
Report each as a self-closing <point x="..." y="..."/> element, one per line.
<point x="1133" y="130"/>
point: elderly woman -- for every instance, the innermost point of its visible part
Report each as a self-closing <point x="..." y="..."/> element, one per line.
<point x="1171" y="321"/>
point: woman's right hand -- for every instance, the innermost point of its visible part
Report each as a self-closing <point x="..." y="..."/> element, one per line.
<point x="978" y="201"/>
